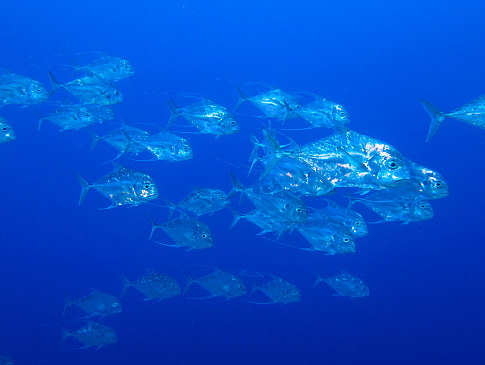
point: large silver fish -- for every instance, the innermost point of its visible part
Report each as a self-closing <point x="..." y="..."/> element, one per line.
<point x="472" y="113"/>
<point x="123" y="187"/>
<point x="109" y="68"/>
<point x="78" y="116"/>
<point x="92" y="89"/>
<point x="207" y="116"/>
<point x="278" y="290"/>
<point x="185" y="232"/>
<point x="202" y="201"/>
<point x="20" y="90"/>
<point x="345" y="285"/>
<point x="324" y="113"/>
<point x="327" y="238"/>
<point x="154" y="286"/>
<point x="96" y="304"/>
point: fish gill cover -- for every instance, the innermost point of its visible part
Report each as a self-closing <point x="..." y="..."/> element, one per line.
<point x="160" y="205"/>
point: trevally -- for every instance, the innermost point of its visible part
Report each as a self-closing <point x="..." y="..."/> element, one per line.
<point x="324" y="113"/>
<point x="123" y="187"/>
<point x="110" y="68"/>
<point x="92" y="334"/>
<point x="96" y="304"/>
<point x="20" y="90"/>
<point x="206" y="116"/>
<point x="472" y="113"/>
<point x="154" y="286"/>
<point x="202" y="201"/>
<point x="219" y="284"/>
<point x="78" y="116"/>
<point x="345" y="285"/>
<point x="7" y="133"/>
<point x="278" y="290"/>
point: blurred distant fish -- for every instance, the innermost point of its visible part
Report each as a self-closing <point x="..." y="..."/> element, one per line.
<point x="78" y="116"/>
<point x="324" y="113"/>
<point x="123" y="187"/>
<point x="272" y="102"/>
<point x="110" y="68"/>
<point x="219" y="284"/>
<point x="20" y="90"/>
<point x="278" y="290"/>
<point x="207" y="116"/>
<point x="185" y="232"/>
<point x="154" y="286"/>
<point x="96" y="304"/>
<point x="472" y="113"/>
<point x="202" y="201"/>
<point x="345" y="285"/>
<point x="92" y="89"/>
<point x="265" y="222"/>
<point x="92" y="335"/>
<point x="7" y="133"/>
<point x="4" y="360"/>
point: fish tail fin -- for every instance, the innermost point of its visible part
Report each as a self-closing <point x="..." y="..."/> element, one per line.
<point x="436" y="116"/>
<point x="189" y="283"/>
<point x="254" y="157"/>
<point x="84" y="188"/>
<point x="237" y="187"/>
<point x="54" y="83"/>
<point x="126" y="285"/>
<point x="40" y="123"/>
<point x="242" y="98"/>
<point x="318" y="280"/>
<point x="155" y="226"/>
<point x="95" y="141"/>
<point x="237" y="218"/>
<point x="174" y="113"/>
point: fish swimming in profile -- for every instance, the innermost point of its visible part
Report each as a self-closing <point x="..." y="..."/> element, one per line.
<point x="186" y="232"/>
<point x="219" y="284"/>
<point x="266" y="223"/>
<point x="96" y="304"/>
<point x="328" y="239"/>
<point x="345" y="285"/>
<point x="202" y="201"/>
<point x="123" y="187"/>
<point x="278" y="290"/>
<point x="272" y="102"/>
<point x="4" y="360"/>
<point x="110" y="68"/>
<point x="92" y="335"/>
<point x="206" y="116"/>
<point x="127" y="140"/>
<point x="166" y="146"/>
<point x="78" y="116"/>
<point x="20" y="90"/>
<point x="7" y="133"/>
<point x="92" y="89"/>
<point x="324" y="113"/>
<point x="154" y="286"/>
<point x="472" y="113"/>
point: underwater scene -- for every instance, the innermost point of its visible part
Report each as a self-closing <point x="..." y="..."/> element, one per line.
<point x="257" y="182"/>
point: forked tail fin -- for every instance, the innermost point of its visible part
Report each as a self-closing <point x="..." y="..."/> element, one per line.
<point x="84" y="188"/>
<point x="436" y="116"/>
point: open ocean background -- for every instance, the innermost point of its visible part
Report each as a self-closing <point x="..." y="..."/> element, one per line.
<point x="378" y="58"/>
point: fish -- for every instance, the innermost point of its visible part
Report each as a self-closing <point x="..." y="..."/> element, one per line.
<point x="78" y="116"/>
<point x="398" y="209"/>
<point x="167" y="146"/>
<point x="126" y="140"/>
<point x="429" y="184"/>
<point x="328" y="239"/>
<point x="278" y="290"/>
<point x="273" y="103"/>
<point x="110" y="68"/>
<point x="154" y="286"/>
<point x="20" y="90"/>
<point x="472" y="113"/>
<point x="92" y="335"/>
<point x="202" y="201"/>
<point x="96" y="304"/>
<point x="123" y="187"/>
<point x="354" y="160"/>
<point x="206" y="116"/>
<point x="91" y="89"/>
<point x="219" y="284"/>
<point x="345" y="285"/>
<point x="7" y="134"/>
<point x="5" y="360"/>
<point x="186" y="232"/>
<point x="282" y="205"/>
<point x="266" y="223"/>
<point x="324" y="113"/>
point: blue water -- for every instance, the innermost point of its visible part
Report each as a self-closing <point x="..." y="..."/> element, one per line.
<point x="378" y="58"/>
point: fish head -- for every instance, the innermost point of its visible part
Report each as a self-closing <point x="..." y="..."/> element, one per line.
<point x="112" y="96"/>
<point x="125" y="67"/>
<point x="230" y="125"/>
<point x="146" y="189"/>
<point x="339" y="114"/>
<point x="392" y="168"/>
<point x="84" y="114"/>
<point x="422" y="210"/>
<point x="432" y="183"/>
<point x="345" y="244"/>
<point x="203" y="237"/>
<point x="359" y="227"/>
<point x="37" y="92"/>
<point x="296" y="211"/>
<point x="6" y="132"/>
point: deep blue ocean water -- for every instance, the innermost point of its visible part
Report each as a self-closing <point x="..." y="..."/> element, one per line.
<point x="378" y="58"/>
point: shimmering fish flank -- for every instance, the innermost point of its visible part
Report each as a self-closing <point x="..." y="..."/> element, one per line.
<point x="92" y="335"/>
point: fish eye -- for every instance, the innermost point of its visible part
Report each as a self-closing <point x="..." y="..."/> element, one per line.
<point x="4" y="128"/>
<point x="438" y="184"/>
<point x="346" y="239"/>
<point x="147" y="186"/>
<point x="393" y="164"/>
<point x="204" y="235"/>
<point x="422" y="206"/>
